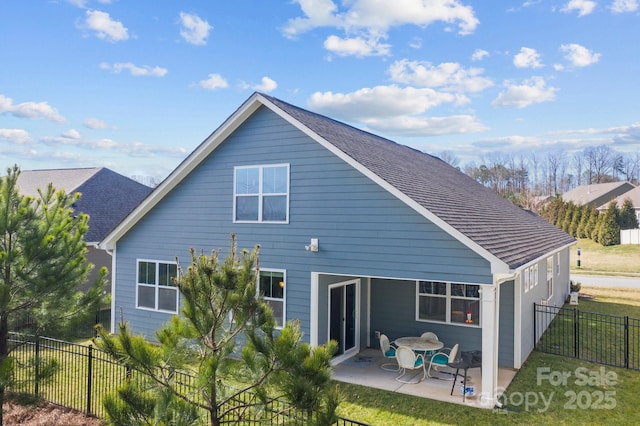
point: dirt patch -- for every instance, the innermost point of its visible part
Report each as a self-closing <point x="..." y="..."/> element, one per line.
<point x="44" y="414"/>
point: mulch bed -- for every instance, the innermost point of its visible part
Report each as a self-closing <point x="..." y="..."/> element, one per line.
<point x="45" y="414"/>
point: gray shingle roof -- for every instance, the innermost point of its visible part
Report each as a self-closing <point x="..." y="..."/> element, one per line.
<point x="107" y="197"/>
<point x="511" y="234"/>
<point x="598" y="193"/>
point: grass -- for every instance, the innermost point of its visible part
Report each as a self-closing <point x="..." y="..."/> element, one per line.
<point x="613" y="260"/>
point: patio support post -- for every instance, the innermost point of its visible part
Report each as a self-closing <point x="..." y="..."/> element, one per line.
<point x="489" y="345"/>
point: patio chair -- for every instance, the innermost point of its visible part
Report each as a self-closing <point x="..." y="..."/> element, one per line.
<point x="443" y="359"/>
<point x="388" y="351"/>
<point x="429" y="335"/>
<point x="409" y="360"/>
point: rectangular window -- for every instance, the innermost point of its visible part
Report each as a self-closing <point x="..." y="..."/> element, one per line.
<point x="448" y="302"/>
<point x="156" y="286"/>
<point x="271" y="287"/>
<point x="261" y="193"/>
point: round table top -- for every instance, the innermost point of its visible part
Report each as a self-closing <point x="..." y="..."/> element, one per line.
<point x="419" y="343"/>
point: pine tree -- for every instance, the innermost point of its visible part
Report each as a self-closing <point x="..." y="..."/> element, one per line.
<point x="609" y="232"/>
<point x="575" y="220"/>
<point x="220" y="308"/>
<point x="42" y="265"/>
<point x="581" y="232"/>
<point x="627" y="218"/>
<point x="593" y="226"/>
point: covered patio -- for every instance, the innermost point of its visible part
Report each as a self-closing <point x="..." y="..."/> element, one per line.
<point x="365" y="369"/>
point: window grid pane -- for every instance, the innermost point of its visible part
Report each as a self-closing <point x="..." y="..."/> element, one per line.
<point x="146" y="297"/>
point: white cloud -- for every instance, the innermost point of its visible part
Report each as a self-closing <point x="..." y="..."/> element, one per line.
<point x="380" y="102"/>
<point x="83" y="3"/>
<point x="370" y="20"/>
<point x="17" y="136"/>
<point x="426" y="126"/>
<point x="527" y="58"/>
<point x="624" y="6"/>
<point x="71" y="134"/>
<point x="30" y="110"/>
<point x="215" y="81"/>
<point x="447" y="75"/>
<point x="94" y="123"/>
<point x="479" y="54"/>
<point x="578" y="55"/>
<point x="318" y="13"/>
<point x="532" y="91"/>
<point x="195" y="30"/>
<point x="356" y="46"/>
<point x="105" y="27"/>
<point x="584" y="7"/>
<point x="135" y="70"/>
<point x="266" y="85"/>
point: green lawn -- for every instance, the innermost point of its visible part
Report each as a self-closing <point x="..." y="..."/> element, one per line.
<point x="612" y="260"/>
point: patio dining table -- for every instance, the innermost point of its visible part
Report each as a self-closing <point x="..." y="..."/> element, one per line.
<point x="419" y="344"/>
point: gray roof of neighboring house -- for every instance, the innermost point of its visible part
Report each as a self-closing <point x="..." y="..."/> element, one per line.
<point x="107" y="197"/>
<point x="514" y="235"/>
<point x="598" y="193"/>
<point x="633" y="195"/>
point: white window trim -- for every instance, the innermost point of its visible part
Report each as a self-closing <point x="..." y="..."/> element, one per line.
<point x="275" y="299"/>
<point x="156" y="286"/>
<point x="448" y="298"/>
<point x="260" y="195"/>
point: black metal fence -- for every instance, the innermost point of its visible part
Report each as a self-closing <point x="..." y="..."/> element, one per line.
<point x="601" y="338"/>
<point x="23" y="322"/>
<point x="86" y="375"/>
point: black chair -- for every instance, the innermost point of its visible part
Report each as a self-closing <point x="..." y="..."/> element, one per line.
<point x="467" y="360"/>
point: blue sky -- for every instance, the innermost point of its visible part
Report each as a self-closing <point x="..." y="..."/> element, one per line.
<point x="136" y="85"/>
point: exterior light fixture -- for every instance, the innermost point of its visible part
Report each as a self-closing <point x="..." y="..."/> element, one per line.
<point x="313" y="246"/>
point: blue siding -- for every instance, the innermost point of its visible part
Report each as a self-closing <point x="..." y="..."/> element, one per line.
<point x="362" y="229"/>
<point x="505" y="328"/>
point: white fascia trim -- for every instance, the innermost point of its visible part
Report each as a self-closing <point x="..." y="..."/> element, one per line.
<point x="544" y="256"/>
<point x="183" y="169"/>
<point x="497" y="265"/>
<point x="113" y="291"/>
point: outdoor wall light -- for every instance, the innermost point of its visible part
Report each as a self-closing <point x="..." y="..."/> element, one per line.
<point x="313" y="246"/>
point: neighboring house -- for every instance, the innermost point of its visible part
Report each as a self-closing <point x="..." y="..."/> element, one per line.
<point x="597" y="194"/>
<point x="107" y="197"/>
<point x="358" y="235"/>
<point x="633" y="195"/>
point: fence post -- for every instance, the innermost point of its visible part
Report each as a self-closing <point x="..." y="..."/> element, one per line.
<point x="576" y="333"/>
<point x="535" y="324"/>
<point x="37" y="381"/>
<point x="89" y="378"/>
<point x="626" y="341"/>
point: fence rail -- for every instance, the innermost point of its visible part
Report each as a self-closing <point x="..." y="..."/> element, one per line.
<point x="87" y="374"/>
<point x="601" y="338"/>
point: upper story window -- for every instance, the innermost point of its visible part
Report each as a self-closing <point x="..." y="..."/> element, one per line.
<point x="261" y="193"/>
<point x="271" y="287"/>
<point x="452" y="303"/>
<point x="156" y="286"/>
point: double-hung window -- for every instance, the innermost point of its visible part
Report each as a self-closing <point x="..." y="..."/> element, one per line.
<point x="261" y="193"/>
<point x="156" y="286"/>
<point x="271" y="285"/>
<point x="453" y="303"/>
<point x="549" y="277"/>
